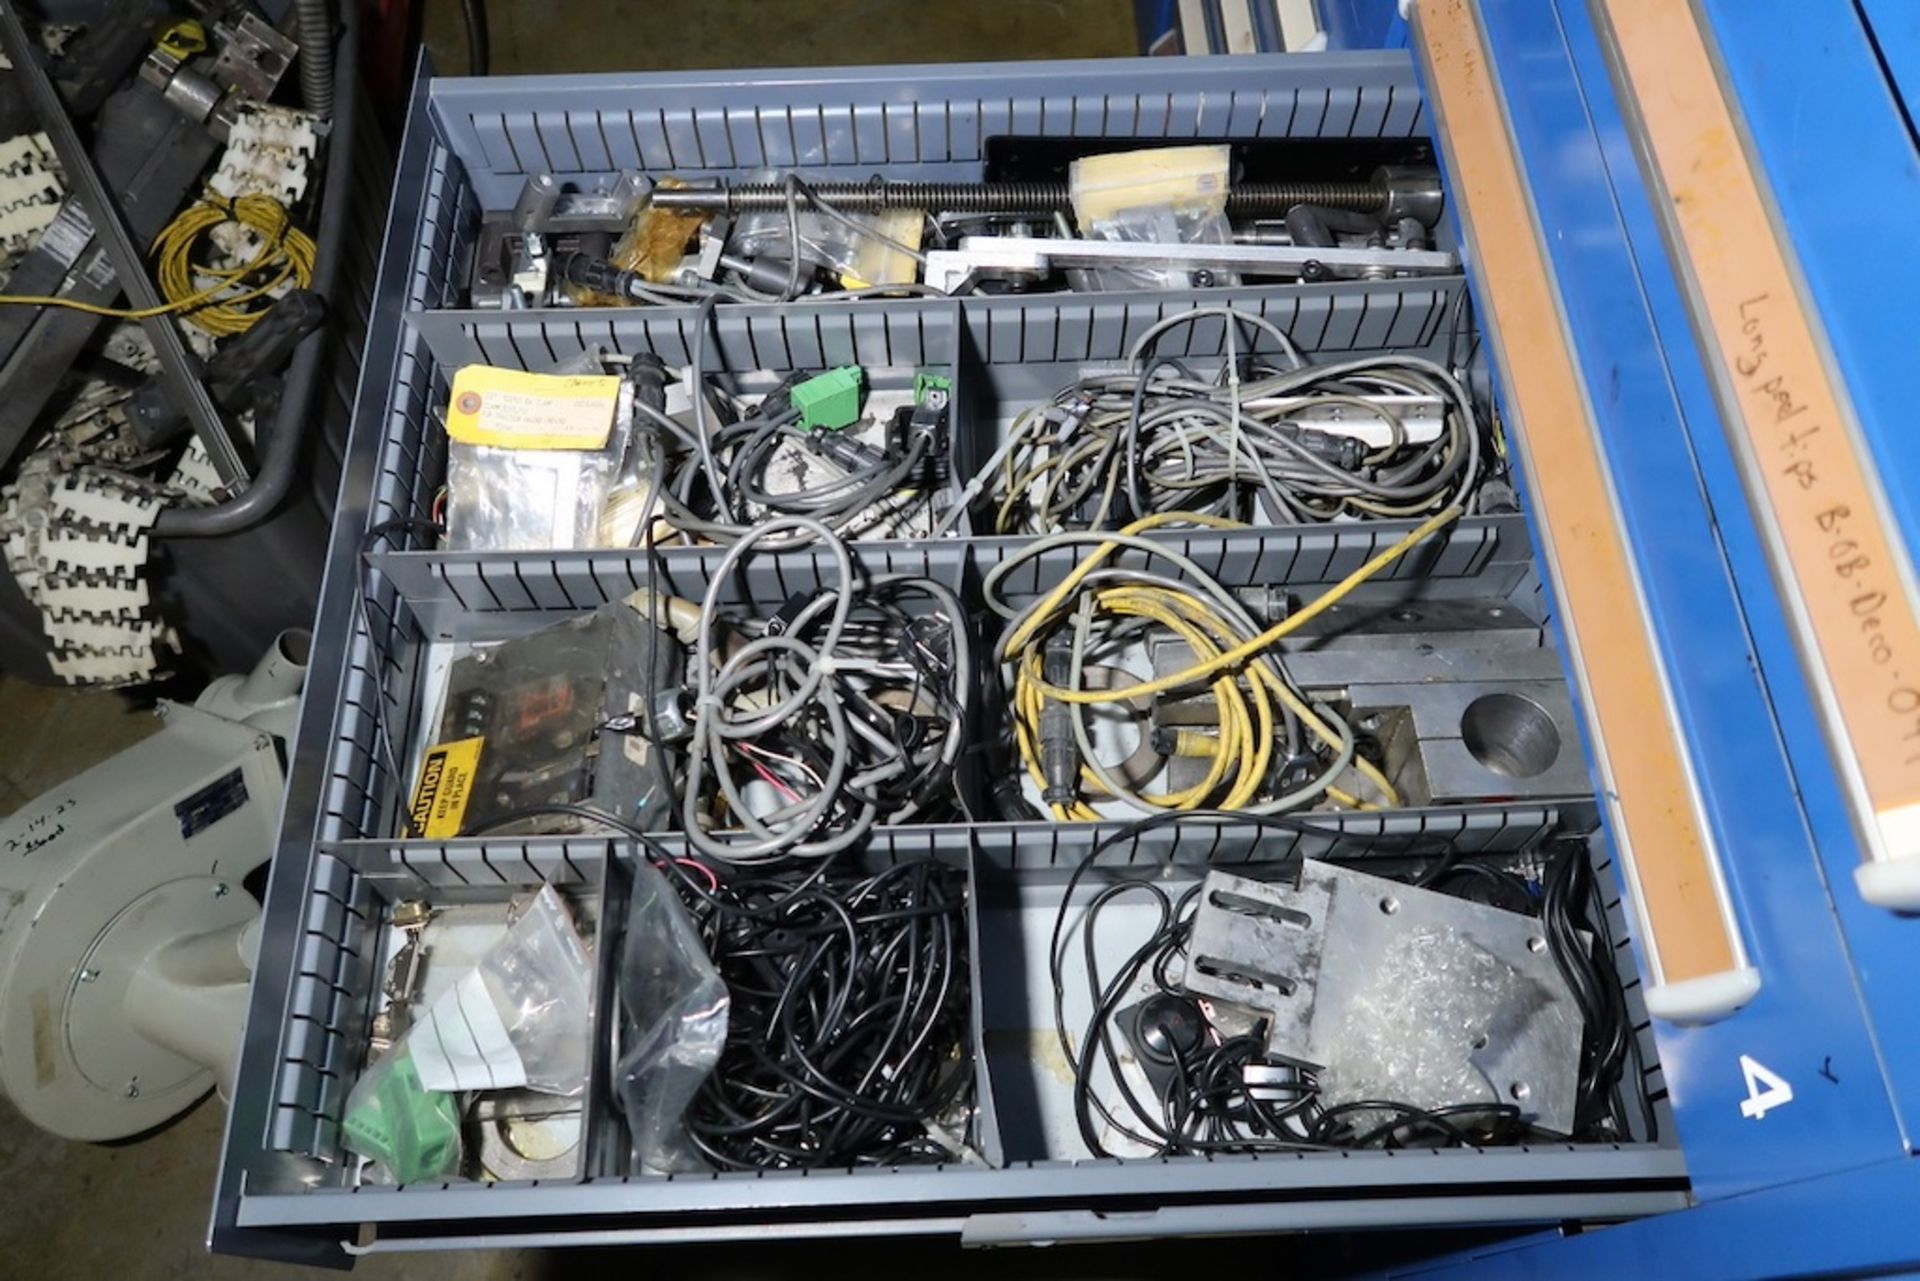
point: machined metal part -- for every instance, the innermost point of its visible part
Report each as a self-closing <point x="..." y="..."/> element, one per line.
<point x="546" y="206"/>
<point x="1259" y="944"/>
<point x="253" y="57"/>
<point x="1413" y="191"/>
<point x="1396" y="189"/>
<point x="402" y="985"/>
<point x="713" y="246"/>
<point x="178" y="367"/>
<point x="515" y="252"/>
<point x="1391" y="991"/>
<point x="187" y="91"/>
<point x="1488" y="712"/>
<point x="522" y="1134"/>
<point x="490" y="284"/>
<point x="1013" y="256"/>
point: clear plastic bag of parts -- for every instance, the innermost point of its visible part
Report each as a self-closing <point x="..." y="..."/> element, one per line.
<point x="531" y="458"/>
<point x="854" y="257"/>
<point x="676" y="1009"/>
<point x="1160" y="196"/>
<point x="1436" y="991"/>
<point x="1160" y="225"/>
<point x="520" y="1019"/>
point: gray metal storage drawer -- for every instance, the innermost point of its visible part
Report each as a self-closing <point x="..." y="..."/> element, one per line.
<point x="284" y="1190"/>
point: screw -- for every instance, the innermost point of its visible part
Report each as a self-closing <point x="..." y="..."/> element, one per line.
<point x="89" y="975"/>
<point x="220" y="890"/>
<point x="133" y="1088"/>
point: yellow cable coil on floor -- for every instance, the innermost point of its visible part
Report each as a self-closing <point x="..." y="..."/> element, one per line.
<point x="286" y="252"/>
<point x="1245" y="692"/>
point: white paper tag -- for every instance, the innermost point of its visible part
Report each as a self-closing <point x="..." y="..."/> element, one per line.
<point x="461" y="1044"/>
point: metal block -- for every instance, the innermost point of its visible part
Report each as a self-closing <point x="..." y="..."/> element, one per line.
<point x="253" y="57"/>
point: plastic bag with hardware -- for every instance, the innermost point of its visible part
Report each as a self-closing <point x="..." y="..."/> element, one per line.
<point x="519" y="1019"/>
<point x="856" y="260"/>
<point x="675" y="1024"/>
<point x="1160" y="196"/>
<point x="532" y="457"/>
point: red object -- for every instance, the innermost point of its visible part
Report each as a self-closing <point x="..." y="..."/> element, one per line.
<point x="389" y="51"/>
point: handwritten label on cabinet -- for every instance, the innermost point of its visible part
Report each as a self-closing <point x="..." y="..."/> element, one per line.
<point x="1811" y="485"/>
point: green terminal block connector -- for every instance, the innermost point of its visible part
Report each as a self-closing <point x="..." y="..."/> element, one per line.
<point x="830" y="401"/>
<point x="926" y="383"/>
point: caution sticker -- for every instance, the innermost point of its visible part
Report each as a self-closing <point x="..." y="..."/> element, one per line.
<point x="509" y="409"/>
<point x="446" y="784"/>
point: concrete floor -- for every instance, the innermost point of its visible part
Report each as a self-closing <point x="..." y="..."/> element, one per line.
<point x="659" y="35"/>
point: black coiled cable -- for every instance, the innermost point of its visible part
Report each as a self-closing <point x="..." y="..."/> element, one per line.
<point x="849" y="1030"/>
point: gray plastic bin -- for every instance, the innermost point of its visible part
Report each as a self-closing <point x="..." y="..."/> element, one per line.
<point x="283" y="1188"/>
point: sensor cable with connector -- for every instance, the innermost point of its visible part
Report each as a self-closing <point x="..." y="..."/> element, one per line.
<point x="849" y="705"/>
<point x="1303" y="444"/>
<point x="1098" y="606"/>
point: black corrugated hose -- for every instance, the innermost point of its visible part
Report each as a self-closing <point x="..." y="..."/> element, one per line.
<point x="280" y="455"/>
<point x="313" y="21"/>
<point x="475" y="14"/>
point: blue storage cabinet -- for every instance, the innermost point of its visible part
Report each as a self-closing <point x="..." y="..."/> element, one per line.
<point x="1795" y="1112"/>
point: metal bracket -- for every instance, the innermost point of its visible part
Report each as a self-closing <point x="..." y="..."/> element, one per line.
<point x="1335" y="963"/>
<point x="1259" y="944"/>
<point x="1020" y="255"/>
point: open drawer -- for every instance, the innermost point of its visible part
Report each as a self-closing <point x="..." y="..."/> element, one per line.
<point x="1445" y="655"/>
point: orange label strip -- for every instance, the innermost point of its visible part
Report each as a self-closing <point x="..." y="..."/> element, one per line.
<point x="1651" y="804"/>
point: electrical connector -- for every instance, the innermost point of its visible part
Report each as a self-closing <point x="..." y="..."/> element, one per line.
<point x="1059" y="753"/>
<point x="931" y="389"/>
<point x="588" y="272"/>
<point x="851" y="454"/>
<point x="830" y="401"/>
<point x="923" y="424"/>
<point x="1345" y="452"/>
<point x="1191" y="744"/>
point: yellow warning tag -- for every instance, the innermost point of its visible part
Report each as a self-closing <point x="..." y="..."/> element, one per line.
<point x="512" y="410"/>
<point x="446" y="784"/>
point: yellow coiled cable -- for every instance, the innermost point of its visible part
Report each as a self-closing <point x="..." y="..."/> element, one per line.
<point x="1246" y="707"/>
<point x="286" y="251"/>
